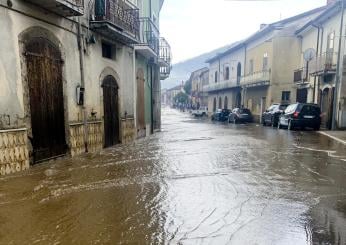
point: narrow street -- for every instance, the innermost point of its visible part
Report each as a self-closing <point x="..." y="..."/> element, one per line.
<point x="196" y="182"/>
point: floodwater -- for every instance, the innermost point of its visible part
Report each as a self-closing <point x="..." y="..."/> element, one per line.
<point x="193" y="183"/>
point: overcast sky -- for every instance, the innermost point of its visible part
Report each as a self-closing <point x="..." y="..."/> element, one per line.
<point x="193" y="27"/>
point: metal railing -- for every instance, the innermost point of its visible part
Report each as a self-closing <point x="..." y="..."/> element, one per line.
<point x="120" y="13"/>
<point x="259" y="76"/>
<point x="300" y="75"/>
<point x="75" y="3"/>
<point x="323" y="63"/>
<point x="149" y="34"/>
<point x="165" y="51"/>
<point x="221" y="85"/>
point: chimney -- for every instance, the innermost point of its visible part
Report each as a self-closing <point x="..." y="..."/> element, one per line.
<point x="264" y="25"/>
<point x="331" y="2"/>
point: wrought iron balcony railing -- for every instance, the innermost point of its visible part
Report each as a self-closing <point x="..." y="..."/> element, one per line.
<point x="165" y="59"/>
<point x="221" y="85"/>
<point x="300" y="75"/>
<point x="116" y="18"/>
<point x="149" y="35"/>
<point x="62" y="7"/>
<point x="323" y="64"/>
<point x="256" y="79"/>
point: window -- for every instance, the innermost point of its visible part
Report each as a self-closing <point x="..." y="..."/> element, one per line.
<point x="265" y="62"/>
<point x="215" y="77"/>
<point x="108" y="51"/>
<point x="330" y="42"/>
<point x="226" y="77"/>
<point x="286" y="96"/>
<point x="251" y="66"/>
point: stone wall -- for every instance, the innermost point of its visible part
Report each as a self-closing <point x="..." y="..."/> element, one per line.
<point x="95" y="137"/>
<point x="128" y="131"/>
<point x="14" y="155"/>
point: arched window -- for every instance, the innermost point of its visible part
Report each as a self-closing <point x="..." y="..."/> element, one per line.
<point x="214" y="105"/>
<point x="220" y="103"/>
<point x="215" y="77"/>
<point x="225" y="103"/>
<point x="226" y="73"/>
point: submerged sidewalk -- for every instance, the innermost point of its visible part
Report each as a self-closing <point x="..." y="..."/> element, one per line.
<point x="339" y="136"/>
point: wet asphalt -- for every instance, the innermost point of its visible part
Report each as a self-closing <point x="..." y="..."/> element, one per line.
<point x="195" y="182"/>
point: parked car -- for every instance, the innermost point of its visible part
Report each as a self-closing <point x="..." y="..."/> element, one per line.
<point x="240" y="115"/>
<point x="220" y="115"/>
<point x="302" y="116"/>
<point x="201" y="112"/>
<point x="271" y="115"/>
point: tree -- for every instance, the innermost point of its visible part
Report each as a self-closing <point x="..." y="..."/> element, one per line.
<point x="188" y="87"/>
<point x="181" y="98"/>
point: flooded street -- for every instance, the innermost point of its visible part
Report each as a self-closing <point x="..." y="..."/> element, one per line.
<point x="193" y="183"/>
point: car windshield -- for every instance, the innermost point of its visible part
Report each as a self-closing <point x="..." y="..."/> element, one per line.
<point x="283" y="107"/>
<point x="272" y="107"/>
<point x="244" y="111"/>
<point x="310" y="110"/>
<point x="291" y="108"/>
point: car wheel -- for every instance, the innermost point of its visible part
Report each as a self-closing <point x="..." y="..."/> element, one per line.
<point x="290" y="126"/>
<point x="235" y="121"/>
<point x="264" y="122"/>
<point x="279" y="125"/>
<point x="317" y="128"/>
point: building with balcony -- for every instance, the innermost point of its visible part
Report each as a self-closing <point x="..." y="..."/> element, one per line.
<point x="199" y="79"/>
<point x="78" y="57"/>
<point x="319" y="38"/>
<point x="225" y="72"/>
<point x="152" y="64"/>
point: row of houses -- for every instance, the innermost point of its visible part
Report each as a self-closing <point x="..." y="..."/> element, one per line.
<point x="298" y="59"/>
<point x="77" y="76"/>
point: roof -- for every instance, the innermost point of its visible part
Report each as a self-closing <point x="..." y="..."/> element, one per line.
<point x="329" y="11"/>
<point x="284" y="27"/>
<point x="198" y="72"/>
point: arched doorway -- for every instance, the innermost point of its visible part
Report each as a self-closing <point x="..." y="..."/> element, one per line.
<point x="327" y="107"/>
<point x="225" y="103"/>
<point x="214" y="105"/>
<point x="140" y="103"/>
<point x="44" y="75"/>
<point x="111" y="111"/>
<point x="238" y="100"/>
<point x="238" y="73"/>
<point x="220" y="103"/>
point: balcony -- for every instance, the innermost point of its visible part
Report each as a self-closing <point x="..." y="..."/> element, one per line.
<point x="165" y="59"/>
<point x="148" y="39"/>
<point x="300" y="75"/>
<point x="324" y="64"/>
<point x="65" y="8"/>
<point x="260" y="78"/>
<point x="116" y="19"/>
<point x="221" y="85"/>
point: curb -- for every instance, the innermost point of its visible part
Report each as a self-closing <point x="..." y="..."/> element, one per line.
<point x="333" y="137"/>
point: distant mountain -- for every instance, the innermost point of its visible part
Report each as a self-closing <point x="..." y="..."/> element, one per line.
<point x="182" y="70"/>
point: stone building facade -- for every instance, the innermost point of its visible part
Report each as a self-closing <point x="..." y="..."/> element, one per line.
<point x="67" y="78"/>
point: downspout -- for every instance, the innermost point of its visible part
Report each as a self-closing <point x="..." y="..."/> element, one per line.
<point x="317" y="51"/>
<point x="81" y="62"/>
<point x="245" y="63"/>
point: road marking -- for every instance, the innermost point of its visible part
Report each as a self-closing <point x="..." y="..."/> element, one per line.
<point x="332" y="137"/>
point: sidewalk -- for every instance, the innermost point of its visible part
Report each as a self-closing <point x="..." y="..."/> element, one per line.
<point x="339" y="136"/>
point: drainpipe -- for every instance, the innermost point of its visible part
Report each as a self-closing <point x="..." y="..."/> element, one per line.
<point x="317" y="51"/>
<point x="81" y="62"/>
<point x="338" y="69"/>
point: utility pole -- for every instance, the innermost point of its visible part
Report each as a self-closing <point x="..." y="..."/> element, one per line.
<point x="338" y="68"/>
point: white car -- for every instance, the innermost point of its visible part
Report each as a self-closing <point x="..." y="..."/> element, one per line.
<point x="201" y="112"/>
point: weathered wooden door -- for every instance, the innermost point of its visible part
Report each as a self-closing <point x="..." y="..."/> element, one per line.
<point x="140" y="103"/>
<point x="111" y="111"/>
<point x="44" y="71"/>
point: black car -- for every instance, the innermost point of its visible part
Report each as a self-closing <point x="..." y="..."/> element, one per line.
<point x="221" y="115"/>
<point x="302" y="116"/>
<point x="271" y="115"/>
<point x="240" y="115"/>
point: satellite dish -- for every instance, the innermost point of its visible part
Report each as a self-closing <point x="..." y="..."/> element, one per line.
<point x="309" y="54"/>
